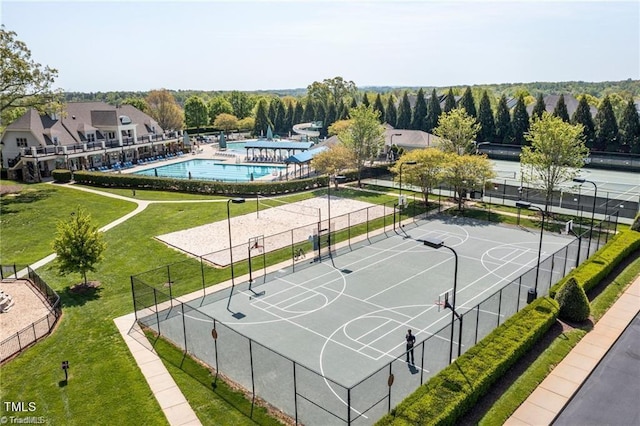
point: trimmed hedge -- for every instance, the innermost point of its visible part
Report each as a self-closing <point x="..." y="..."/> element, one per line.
<point x="457" y="388"/>
<point x="61" y="175"/>
<point x="593" y="270"/>
<point x="133" y="181"/>
<point x="574" y="305"/>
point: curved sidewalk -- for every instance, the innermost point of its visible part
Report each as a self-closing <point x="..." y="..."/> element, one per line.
<point x="556" y="390"/>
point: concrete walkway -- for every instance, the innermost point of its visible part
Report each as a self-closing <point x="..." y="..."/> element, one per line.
<point x="557" y="389"/>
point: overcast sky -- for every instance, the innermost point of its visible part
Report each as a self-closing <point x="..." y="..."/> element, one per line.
<point x="252" y="45"/>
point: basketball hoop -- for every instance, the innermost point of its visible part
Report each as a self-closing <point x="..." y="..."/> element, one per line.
<point x="439" y="304"/>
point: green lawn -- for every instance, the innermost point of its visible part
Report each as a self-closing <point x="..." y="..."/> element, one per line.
<point x="105" y="385"/>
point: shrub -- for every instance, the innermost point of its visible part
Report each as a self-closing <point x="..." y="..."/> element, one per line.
<point x="574" y="305"/>
<point x="61" y="175"/>
<point x="636" y="223"/>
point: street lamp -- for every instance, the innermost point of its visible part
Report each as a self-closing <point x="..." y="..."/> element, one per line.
<point x="234" y="201"/>
<point x="532" y="295"/>
<point x="436" y="244"/>
<point x="593" y="209"/>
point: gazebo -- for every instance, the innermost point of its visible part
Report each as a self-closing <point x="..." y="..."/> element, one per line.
<point x="301" y="160"/>
<point x="274" y="151"/>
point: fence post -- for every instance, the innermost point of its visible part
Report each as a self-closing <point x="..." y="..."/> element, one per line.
<point x="295" y="393"/>
<point x="253" y="386"/>
<point x="389" y="386"/>
<point x="15" y="271"/>
<point x="579" y="248"/>
<point x="349" y="406"/>
<point x="422" y="365"/>
<point x="184" y="327"/>
<point x="204" y="293"/>
<point x="155" y="302"/>
<point x="519" y="290"/>
<point x="133" y="292"/>
<point x="169" y="284"/>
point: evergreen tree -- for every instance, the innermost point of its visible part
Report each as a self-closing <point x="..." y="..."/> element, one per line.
<point x="606" y="127"/>
<point x="354" y="103"/>
<point x="330" y="116"/>
<point x="262" y="122"/>
<point x="320" y="115"/>
<point x="467" y="102"/>
<point x="391" y="115"/>
<point x="280" y="124"/>
<point x="539" y="107"/>
<point x="560" y="110"/>
<point x="520" y="122"/>
<point x="503" y="122"/>
<point x="404" y="113"/>
<point x="449" y="101"/>
<point x="297" y="114"/>
<point x="485" y="118"/>
<point x="272" y="112"/>
<point x="342" y="112"/>
<point x="582" y="115"/>
<point x="378" y="106"/>
<point x="630" y="129"/>
<point x="433" y="112"/>
<point x="365" y="100"/>
<point x="288" y="119"/>
<point x="309" y="112"/>
<point x="418" y="121"/>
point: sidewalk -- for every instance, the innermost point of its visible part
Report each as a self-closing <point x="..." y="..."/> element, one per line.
<point x="556" y="391"/>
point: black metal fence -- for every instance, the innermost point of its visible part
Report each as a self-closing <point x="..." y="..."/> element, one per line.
<point x="29" y="335"/>
<point x="306" y="394"/>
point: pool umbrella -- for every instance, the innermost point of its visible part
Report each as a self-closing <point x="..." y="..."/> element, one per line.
<point x="269" y="133"/>
<point x="186" y="140"/>
<point x="222" y="142"/>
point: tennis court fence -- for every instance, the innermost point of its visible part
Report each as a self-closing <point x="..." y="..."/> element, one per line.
<point x="307" y="395"/>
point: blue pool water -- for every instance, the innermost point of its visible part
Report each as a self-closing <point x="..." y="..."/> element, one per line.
<point x="213" y="170"/>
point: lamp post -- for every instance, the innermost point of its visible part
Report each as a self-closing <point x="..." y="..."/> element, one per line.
<point x="234" y="201"/>
<point x="593" y="209"/>
<point x="531" y="296"/>
<point x="436" y="244"/>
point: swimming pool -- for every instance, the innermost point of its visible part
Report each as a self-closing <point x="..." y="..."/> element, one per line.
<point x="213" y="170"/>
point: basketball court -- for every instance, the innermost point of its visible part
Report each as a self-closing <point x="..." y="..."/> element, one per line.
<point x="342" y="319"/>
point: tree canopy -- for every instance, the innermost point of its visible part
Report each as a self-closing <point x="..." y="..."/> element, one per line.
<point x="468" y="103"/>
<point x="433" y="112"/>
<point x="467" y="172"/>
<point x="226" y="122"/>
<point x="404" y="113"/>
<point x="165" y="110"/>
<point x="485" y="119"/>
<point x="520" y="122"/>
<point x="606" y="127"/>
<point x="457" y="132"/>
<point x="555" y="154"/>
<point x="196" y="113"/>
<point x="630" y="129"/>
<point x="364" y="137"/>
<point x="503" y="122"/>
<point x="218" y="105"/>
<point x="427" y="173"/>
<point x="24" y="83"/>
<point x="582" y="115"/>
<point x="561" y="110"/>
<point x="391" y="113"/>
<point x="78" y="244"/>
<point x="419" y="112"/>
<point x="262" y="122"/>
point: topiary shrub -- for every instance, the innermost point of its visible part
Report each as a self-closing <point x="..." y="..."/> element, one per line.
<point x="61" y="175"/>
<point x="574" y="305"/>
<point x="636" y="223"/>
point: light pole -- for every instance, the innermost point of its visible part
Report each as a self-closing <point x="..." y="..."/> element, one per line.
<point x="436" y="244"/>
<point x="532" y="295"/>
<point x="593" y="209"/>
<point x="234" y="201"/>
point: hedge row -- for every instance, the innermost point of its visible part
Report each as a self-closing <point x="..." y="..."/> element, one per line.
<point x="457" y="388"/>
<point x="133" y="181"/>
<point x="61" y="175"/>
<point x="593" y="270"/>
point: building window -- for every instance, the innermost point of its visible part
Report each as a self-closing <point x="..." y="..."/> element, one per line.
<point x="21" y="142"/>
<point x="91" y="137"/>
<point x="111" y="135"/>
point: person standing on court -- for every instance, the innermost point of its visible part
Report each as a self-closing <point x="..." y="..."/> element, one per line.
<point x="411" y="340"/>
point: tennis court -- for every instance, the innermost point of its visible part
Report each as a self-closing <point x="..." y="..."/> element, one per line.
<point x="303" y="341"/>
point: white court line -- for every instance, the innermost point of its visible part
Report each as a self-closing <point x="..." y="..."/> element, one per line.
<point x="388" y="320"/>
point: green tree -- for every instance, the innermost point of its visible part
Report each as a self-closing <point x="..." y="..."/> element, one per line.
<point x="582" y="115"/>
<point x="427" y="173"/>
<point x="364" y="137"/>
<point x="539" y="108"/>
<point x="195" y="112"/>
<point x="298" y="112"/>
<point x="334" y="89"/>
<point x="433" y="112"/>
<point x="78" y="245"/>
<point x="391" y="114"/>
<point x="272" y="112"/>
<point x="309" y="112"/>
<point x="457" y="132"/>
<point x="468" y="103"/>
<point x="467" y="172"/>
<point x="226" y="122"/>
<point x="365" y="100"/>
<point x="404" y="113"/>
<point x="379" y="106"/>
<point x="555" y="154"/>
<point x="520" y="122"/>
<point x="246" y="124"/>
<point x="561" y="110"/>
<point x="262" y="122"/>
<point x="342" y="112"/>
<point x="138" y="103"/>
<point x="449" y="101"/>
<point x="331" y="115"/>
<point x="218" y="105"/>
<point x="288" y="118"/>
<point x="24" y="83"/>
<point x="485" y="119"/>
<point x="503" y="122"/>
<point x="419" y="112"/>
<point x="334" y="160"/>
<point x="165" y="110"/>
<point x="573" y="302"/>
<point x="630" y="129"/>
<point x="242" y="104"/>
<point x="280" y="124"/>
<point x="606" y="127"/>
